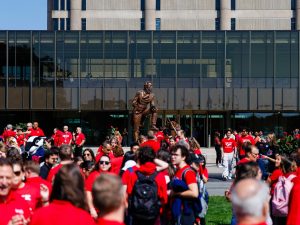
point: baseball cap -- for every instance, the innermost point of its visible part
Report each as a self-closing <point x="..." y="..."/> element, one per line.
<point x="196" y="159"/>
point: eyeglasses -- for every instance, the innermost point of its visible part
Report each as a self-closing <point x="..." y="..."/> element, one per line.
<point x="104" y="162"/>
<point x="17" y="173"/>
<point x="88" y="154"/>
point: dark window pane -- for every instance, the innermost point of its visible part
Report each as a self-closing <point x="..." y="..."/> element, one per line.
<point x="293" y="4"/>
<point x="68" y="23"/>
<point x="62" y="24"/>
<point x="218" y="5"/>
<point x="232" y="4"/>
<point x="293" y="23"/>
<point x="157" y="20"/>
<point x="232" y="23"/>
<point x="83" y="24"/>
<point x="55" y="24"/>
<point x="142" y="23"/>
<point x="68" y="5"/>
<point x="83" y="4"/>
<point x="62" y="4"/>
<point x="142" y="5"/>
<point x="55" y="5"/>
<point x="157" y="4"/>
<point x="217" y="23"/>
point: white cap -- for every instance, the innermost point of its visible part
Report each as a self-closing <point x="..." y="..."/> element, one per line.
<point x="128" y="164"/>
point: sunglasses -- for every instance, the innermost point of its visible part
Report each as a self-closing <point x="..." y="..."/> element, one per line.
<point x="17" y="173"/>
<point x="87" y="154"/>
<point x="104" y="162"/>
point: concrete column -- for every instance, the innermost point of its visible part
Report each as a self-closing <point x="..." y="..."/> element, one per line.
<point x="75" y="15"/>
<point x="150" y="15"/>
<point x="49" y="14"/>
<point x="225" y="15"/>
<point x="298" y="15"/>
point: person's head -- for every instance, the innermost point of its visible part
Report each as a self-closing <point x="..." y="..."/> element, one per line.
<point x="19" y="130"/>
<point x="66" y="128"/>
<point x="35" y="125"/>
<point x="3" y="150"/>
<point x="228" y="133"/>
<point x="13" y="154"/>
<point x="134" y="147"/>
<point x="78" y="130"/>
<point x="179" y="155"/>
<point x="151" y="135"/>
<point x="29" y="126"/>
<point x="78" y="160"/>
<point x="251" y="151"/>
<point x="31" y="169"/>
<point x="172" y="141"/>
<point x="108" y="195"/>
<point x="244" y="132"/>
<point x="278" y="162"/>
<point x="6" y="177"/>
<point x="271" y="139"/>
<point x="19" y="175"/>
<point x="164" y="145"/>
<point x="106" y="147"/>
<point x="180" y="134"/>
<point x="247" y="170"/>
<point x="9" y="127"/>
<point x="142" y="139"/>
<point x="88" y="155"/>
<point x="51" y="156"/>
<point x="217" y="134"/>
<point x="194" y="143"/>
<point x="87" y="167"/>
<point x="250" y="200"/>
<point x="146" y="154"/>
<point x="148" y="87"/>
<point x="288" y="164"/>
<point x="65" y="153"/>
<point x="68" y="185"/>
<point x="196" y="161"/>
<point x="114" y="142"/>
<point x="104" y="164"/>
<point x="164" y="155"/>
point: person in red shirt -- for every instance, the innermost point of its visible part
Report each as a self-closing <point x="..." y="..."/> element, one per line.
<point x="146" y="156"/>
<point x="12" y="206"/>
<point x="228" y="147"/>
<point x="293" y="217"/>
<point x="181" y="136"/>
<point x="250" y="202"/>
<point x="180" y="155"/>
<point x="252" y="153"/>
<point x="67" y="200"/>
<point x="104" y="149"/>
<point x="8" y="132"/>
<point x="79" y="139"/>
<point x="151" y="142"/>
<point x="273" y="178"/>
<point x="36" y="131"/>
<point x="57" y="137"/>
<point x="109" y="187"/>
<point x="116" y="161"/>
<point x="245" y="137"/>
<point x="31" y="194"/>
<point x="65" y="155"/>
<point x="195" y="146"/>
<point x="20" y="138"/>
<point x="67" y="136"/>
<point x="103" y="166"/>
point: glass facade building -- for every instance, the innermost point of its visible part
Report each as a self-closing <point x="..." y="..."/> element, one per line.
<point x="242" y="78"/>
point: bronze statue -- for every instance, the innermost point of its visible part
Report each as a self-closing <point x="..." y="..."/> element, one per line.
<point x="143" y="105"/>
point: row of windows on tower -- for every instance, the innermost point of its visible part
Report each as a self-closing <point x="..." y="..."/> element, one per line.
<point x="65" y="4"/>
<point x="64" y="24"/>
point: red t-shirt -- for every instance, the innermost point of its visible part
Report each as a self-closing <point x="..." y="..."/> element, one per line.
<point x="190" y="176"/>
<point x="147" y="169"/>
<point x="102" y="221"/>
<point x="66" y="137"/>
<point x="57" y="138"/>
<point x="91" y="179"/>
<point x="31" y="194"/>
<point x="79" y="138"/>
<point x="100" y="154"/>
<point x="54" y="170"/>
<point x="203" y="171"/>
<point x="159" y="136"/>
<point x="242" y="140"/>
<point x="274" y="178"/>
<point x="14" y="205"/>
<point x="197" y="151"/>
<point x="293" y="217"/>
<point x="116" y="164"/>
<point x="126" y="175"/>
<point x="36" y="132"/>
<point x="8" y="133"/>
<point x="37" y="181"/>
<point x="20" y="139"/>
<point x="155" y="145"/>
<point x="61" y="213"/>
<point x="228" y="145"/>
<point x="243" y="160"/>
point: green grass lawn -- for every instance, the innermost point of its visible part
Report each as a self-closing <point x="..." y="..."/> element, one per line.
<point x="219" y="211"/>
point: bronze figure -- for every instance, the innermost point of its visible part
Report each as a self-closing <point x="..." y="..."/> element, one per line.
<point x="143" y="105"/>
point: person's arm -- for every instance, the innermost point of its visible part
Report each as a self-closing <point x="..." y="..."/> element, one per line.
<point x="192" y="192"/>
<point x="160" y="164"/>
<point x="82" y="143"/>
<point x="92" y="209"/>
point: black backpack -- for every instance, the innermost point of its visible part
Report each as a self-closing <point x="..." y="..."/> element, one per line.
<point x="144" y="202"/>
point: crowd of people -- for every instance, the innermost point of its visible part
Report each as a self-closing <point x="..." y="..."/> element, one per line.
<point x="160" y="180"/>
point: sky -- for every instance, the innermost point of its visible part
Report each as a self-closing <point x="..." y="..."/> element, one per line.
<point x="23" y="14"/>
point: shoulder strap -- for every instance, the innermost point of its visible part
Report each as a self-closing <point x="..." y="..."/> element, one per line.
<point x="291" y="177"/>
<point x="130" y="169"/>
<point x="184" y="172"/>
<point x="141" y="176"/>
